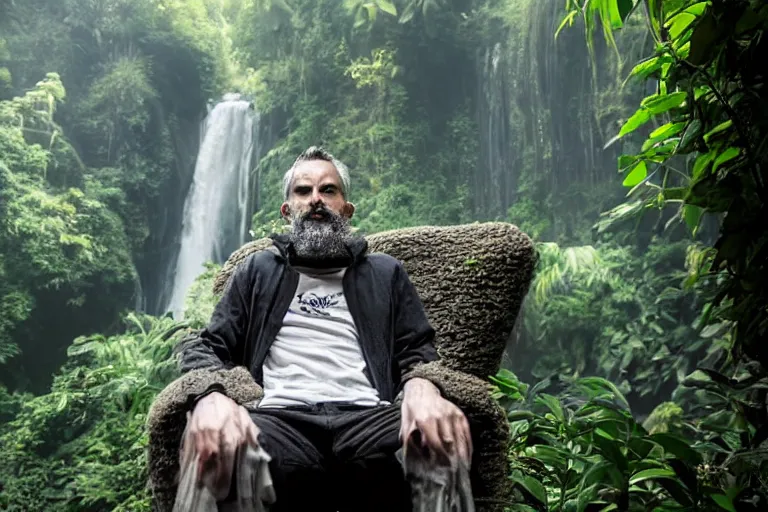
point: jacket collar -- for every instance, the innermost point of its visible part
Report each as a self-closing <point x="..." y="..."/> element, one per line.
<point x="357" y="248"/>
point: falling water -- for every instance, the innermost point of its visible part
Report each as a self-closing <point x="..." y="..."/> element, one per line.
<point x="492" y="183"/>
<point x="216" y="209"/>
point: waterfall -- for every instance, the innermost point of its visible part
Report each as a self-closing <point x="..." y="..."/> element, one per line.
<point x="493" y="191"/>
<point x="216" y="210"/>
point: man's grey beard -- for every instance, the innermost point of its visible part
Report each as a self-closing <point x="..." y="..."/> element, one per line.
<point x="320" y="240"/>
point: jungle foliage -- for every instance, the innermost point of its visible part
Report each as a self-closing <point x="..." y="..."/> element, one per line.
<point x="97" y="103"/>
<point x="703" y="156"/>
<point x="643" y="328"/>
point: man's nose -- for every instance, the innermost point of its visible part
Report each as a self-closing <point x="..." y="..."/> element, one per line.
<point x="317" y="197"/>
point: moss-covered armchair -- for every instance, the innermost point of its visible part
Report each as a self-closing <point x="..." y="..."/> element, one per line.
<point x="472" y="279"/>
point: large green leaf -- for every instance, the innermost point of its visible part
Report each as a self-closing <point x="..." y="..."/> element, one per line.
<point x="408" y="12"/>
<point x="644" y="68"/>
<point x="692" y="216"/>
<point x="533" y="486"/>
<point x="663" y="133"/>
<point x="387" y="6"/>
<point x="677" y="490"/>
<point x="656" y="17"/>
<point x="555" y="457"/>
<point x="626" y="160"/>
<point x="520" y="415"/>
<point x="639" y="118"/>
<point x="726" y="156"/>
<point x="717" y="129"/>
<point x="724" y="502"/>
<point x="702" y="162"/>
<point x="636" y="175"/>
<point x="553" y="404"/>
<point x="692" y="132"/>
<point x="610" y="8"/>
<point x="678" y="23"/>
<point x="610" y="449"/>
<point x="660" y="103"/>
<point x="602" y="385"/>
<point x="651" y="474"/>
<point x="667" y="130"/>
<point x="625" y="7"/>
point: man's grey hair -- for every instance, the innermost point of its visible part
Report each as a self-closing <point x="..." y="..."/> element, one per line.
<point x="317" y="153"/>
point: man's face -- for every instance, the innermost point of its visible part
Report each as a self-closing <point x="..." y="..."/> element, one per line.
<point x="316" y="183"/>
<point x="318" y="212"/>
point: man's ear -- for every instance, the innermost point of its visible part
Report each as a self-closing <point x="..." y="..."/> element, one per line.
<point x="348" y="210"/>
<point x="285" y="211"/>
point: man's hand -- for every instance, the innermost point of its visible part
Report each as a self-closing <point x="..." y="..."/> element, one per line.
<point x="442" y="426"/>
<point x="218" y="427"/>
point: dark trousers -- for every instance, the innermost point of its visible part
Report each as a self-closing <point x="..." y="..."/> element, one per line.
<point x="334" y="457"/>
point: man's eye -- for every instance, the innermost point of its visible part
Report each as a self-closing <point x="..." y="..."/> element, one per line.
<point x="302" y="191"/>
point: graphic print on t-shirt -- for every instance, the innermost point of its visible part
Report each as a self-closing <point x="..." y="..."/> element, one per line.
<point x="315" y="305"/>
<point x="316" y="355"/>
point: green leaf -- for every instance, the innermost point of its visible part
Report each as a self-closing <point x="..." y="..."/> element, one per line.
<point x="568" y="20"/>
<point x="636" y="175"/>
<point x="598" y="383"/>
<point x="698" y="8"/>
<point x="625" y="7"/>
<point x="595" y="474"/>
<point x="702" y="162"/>
<point x="371" y="12"/>
<point x="677" y="447"/>
<point x="646" y="67"/>
<point x="726" y="156"/>
<point x="661" y="103"/>
<point x="733" y="492"/>
<point x="611" y="8"/>
<point x="717" y="129"/>
<point x="553" y="404"/>
<point x="387" y="6"/>
<point x="662" y="133"/>
<point x="649" y="474"/>
<point x="679" y="23"/>
<point x="677" y="490"/>
<point x="639" y="118"/>
<point x="610" y="449"/>
<point x="62" y="402"/>
<point x="408" y="12"/>
<point x="554" y="457"/>
<point x="520" y="415"/>
<point x="584" y="497"/>
<point x="533" y="486"/>
<point x="692" y="216"/>
<point x="654" y="12"/>
<point x="626" y="160"/>
<point x="692" y="132"/>
<point x="360" y="18"/>
<point x="724" y="502"/>
<point x="521" y="507"/>
<point x="666" y="130"/>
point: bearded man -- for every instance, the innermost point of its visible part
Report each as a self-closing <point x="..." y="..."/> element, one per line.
<point x="330" y="332"/>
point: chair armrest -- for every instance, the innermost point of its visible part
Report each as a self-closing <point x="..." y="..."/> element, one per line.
<point x="488" y="424"/>
<point x="167" y="420"/>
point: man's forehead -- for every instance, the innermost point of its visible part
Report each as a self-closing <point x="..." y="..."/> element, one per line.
<point x="316" y="170"/>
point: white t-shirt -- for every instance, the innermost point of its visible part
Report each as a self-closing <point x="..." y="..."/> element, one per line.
<point x="316" y="356"/>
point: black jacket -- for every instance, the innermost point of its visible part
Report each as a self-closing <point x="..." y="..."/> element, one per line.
<point x="391" y="322"/>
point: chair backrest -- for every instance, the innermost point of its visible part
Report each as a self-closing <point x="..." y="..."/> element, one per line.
<point x="472" y="279"/>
